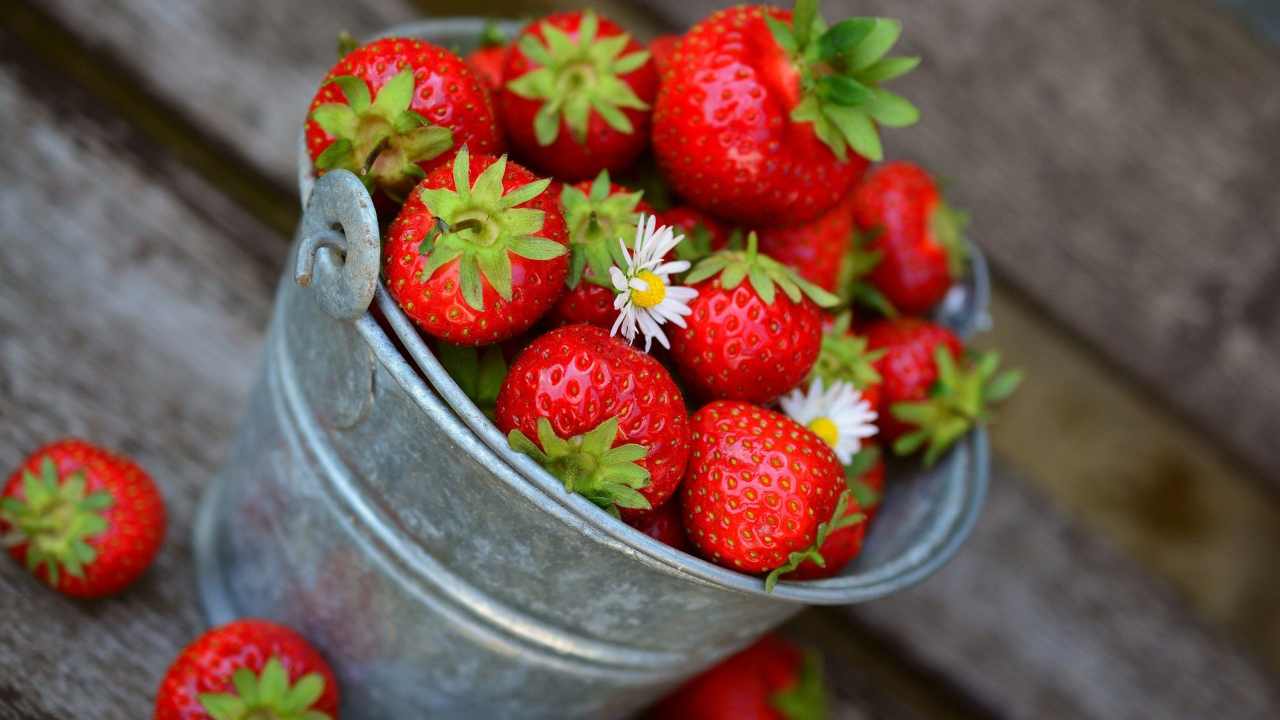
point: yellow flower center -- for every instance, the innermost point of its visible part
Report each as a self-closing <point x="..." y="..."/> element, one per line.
<point x="826" y="429"/>
<point x="653" y="293"/>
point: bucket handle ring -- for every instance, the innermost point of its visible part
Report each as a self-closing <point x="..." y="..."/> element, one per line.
<point x="338" y="252"/>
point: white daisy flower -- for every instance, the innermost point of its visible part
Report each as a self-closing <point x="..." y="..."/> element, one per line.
<point x="646" y="298"/>
<point x="839" y="415"/>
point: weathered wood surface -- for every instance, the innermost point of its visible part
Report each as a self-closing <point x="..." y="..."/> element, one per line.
<point x="1121" y="163"/>
<point x="1055" y="624"/>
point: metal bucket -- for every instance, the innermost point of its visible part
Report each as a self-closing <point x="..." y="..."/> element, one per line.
<point x="369" y="504"/>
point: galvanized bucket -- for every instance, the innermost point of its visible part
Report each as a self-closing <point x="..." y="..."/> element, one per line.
<point x="369" y="504"/>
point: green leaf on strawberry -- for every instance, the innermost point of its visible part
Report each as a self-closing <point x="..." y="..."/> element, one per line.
<point x="575" y="77"/>
<point x="844" y="357"/>
<point x="268" y="694"/>
<point x="839" y="520"/>
<point x="55" y="519"/>
<point x="959" y="399"/>
<point x="479" y="372"/>
<point x="807" y="698"/>
<point x="841" y="70"/>
<point x="947" y="225"/>
<point x="764" y="273"/>
<point x="379" y="139"/>
<point x="482" y="225"/>
<point x="596" y="220"/>
<point x="589" y="465"/>
<point x="863" y="462"/>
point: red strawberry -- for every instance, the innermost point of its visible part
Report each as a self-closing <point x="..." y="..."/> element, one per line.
<point x="703" y="234"/>
<point x="487" y="59"/>
<point x="816" y="249"/>
<point x="662" y="48"/>
<point x="395" y="109"/>
<point x="597" y="214"/>
<point x="477" y="261"/>
<point x="762" y="492"/>
<point x="746" y="340"/>
<point x="771" y="680"/>
<point x="664" y="524"/>
<point x="918" y="236"/>
<point x="83" y="520"/>
<point x="600" y="415"/>
<point x="756" y="114"/>
<point x="248" y="669"/>
<point x="865" y="479"/>
<point x="932" y="401"/>
<point x="844" y="356"/>
<point x="577" y="95"/>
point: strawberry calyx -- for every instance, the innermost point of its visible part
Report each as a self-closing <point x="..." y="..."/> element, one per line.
<point x="596" y="221"/>
<point x="844" y="356"/>
<point x="589" y="465"/>
<point x="841" y="68"/>
<point x="765" y="274"/>
<point x="806" y="699"/>
<point x="813" y="553"/>
<point x="267" y="696"/>
<point x="947" y="226"/>
<point x="958" y="400"/>
<point x="863" y="462"/>
<point x="492" y="35"/>
<point x="479" y="372"/>
<point x="574" y="77"/>
<point x="55" y="520"/>
<point x="851" y="279"/>
<point x="480" y="225"/>
<point x="379" y="139"/>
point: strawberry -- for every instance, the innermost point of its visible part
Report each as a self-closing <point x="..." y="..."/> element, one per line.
<point x="932" y="400"/>
<point x="605" y="418"/>
<point x="477" y="262"/>
<point x="865" y="479"/>
<point x="816" y="249"/>
<point x="486" y="60"/>
<point x="703" y="233"/>
<point x="577" y="95"/>
<point x="662" y="48"/>
<point x="85" y="521"/>
<point x="918" y="236"/>
<point x="395" y="109"/>
<point x="770" y="680"/>
<point x="245" y="670"/>
<point x="747" y="341"/>
<point x="597" y="214"/>
<point x="844" y="356"/>
<point x="759" y="108"/>
<point x="762" y="492"/>
<point x="664" y="524"/>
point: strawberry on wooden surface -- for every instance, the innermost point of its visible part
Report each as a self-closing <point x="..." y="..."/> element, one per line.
<point x="770" y="680"/>
<point x="755" y="327"/>
<point x="85" y="521"/>
<point x="248" y="670"/>
<point x="766" y="117"/>
<point x="395" y="109"/>
<point x="604" y="417"/>
<point x="477" y="255"/>
<point x="577" y="95"/>
<point x="917" y="236"/>
<point x="597" y="215"/>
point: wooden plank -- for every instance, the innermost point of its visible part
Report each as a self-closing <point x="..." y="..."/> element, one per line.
<point x="132" y="308"/>
<point x="1120" y="163"/>
<point x="131" y="313"/>
<point x="1036" y="619"/>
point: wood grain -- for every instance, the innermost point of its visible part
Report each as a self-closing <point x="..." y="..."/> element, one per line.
<point x="1037" y="619"/>
<point x="1120" y="162"/>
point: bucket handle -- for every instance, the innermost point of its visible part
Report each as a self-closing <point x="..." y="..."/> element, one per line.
<point x="338" y="251"/>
